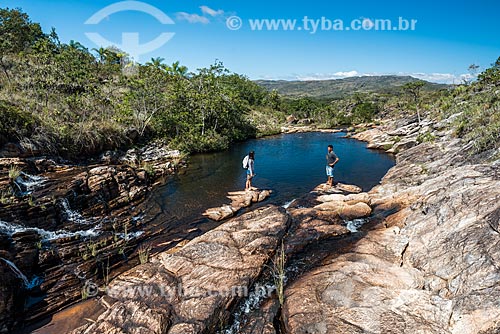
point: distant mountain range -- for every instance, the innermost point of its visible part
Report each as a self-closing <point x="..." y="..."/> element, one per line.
<point x="339" y="88"/>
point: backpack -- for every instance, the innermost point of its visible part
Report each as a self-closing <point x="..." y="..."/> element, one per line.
<point x="245" y="162"/>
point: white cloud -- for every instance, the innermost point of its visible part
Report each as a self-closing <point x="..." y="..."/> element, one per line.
<point x="192" y="18"/>
<point x="212" y="12"/>
<point x="327" y="76"/>
<point x="206" y="12"/>
<point x="445" y="78"/>
<point x="347" y="74"/>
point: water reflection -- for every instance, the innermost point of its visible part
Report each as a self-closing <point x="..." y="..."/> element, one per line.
<point x="290" y="165"/>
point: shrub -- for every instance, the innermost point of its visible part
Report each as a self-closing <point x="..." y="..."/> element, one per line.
<point x="364" y="112"/>
<point x="426" y="137"/>
<point x="14" y="122"/>
<point x="197" y="143"/>
<point x="14" y="172"/>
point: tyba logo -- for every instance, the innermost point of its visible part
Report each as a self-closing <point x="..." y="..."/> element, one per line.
<point x="130" y="40"/>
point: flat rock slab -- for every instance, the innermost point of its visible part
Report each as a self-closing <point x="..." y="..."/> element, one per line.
<point x="339" y="188"/>
<point x="346" y="210"/>
<point x="191" y="290"/>
<point x="239" y="200"/>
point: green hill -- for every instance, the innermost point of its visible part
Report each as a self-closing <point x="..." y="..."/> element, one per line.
<point x="339" y="88"/>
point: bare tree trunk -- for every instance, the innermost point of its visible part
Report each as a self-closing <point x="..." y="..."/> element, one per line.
<point x="4" y="68"/>
<point x="418" y="110"/>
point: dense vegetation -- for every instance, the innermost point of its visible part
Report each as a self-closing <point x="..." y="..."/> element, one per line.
<point x="59" y="98"/>
<point x="64" y="99"/>
<point x="476" y="111"/>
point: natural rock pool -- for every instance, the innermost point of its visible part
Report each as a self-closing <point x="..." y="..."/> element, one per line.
<point x="290" y="164"/>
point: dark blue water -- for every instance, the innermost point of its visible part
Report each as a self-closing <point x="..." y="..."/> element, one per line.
<point x="291" y="165"/>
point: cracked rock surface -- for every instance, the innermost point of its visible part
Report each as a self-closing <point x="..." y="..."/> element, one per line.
<point x="431" y="267"/>
<point x="190" y="290"/>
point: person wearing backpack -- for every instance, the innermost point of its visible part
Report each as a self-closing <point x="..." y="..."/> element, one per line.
<point x="248" y="164"/>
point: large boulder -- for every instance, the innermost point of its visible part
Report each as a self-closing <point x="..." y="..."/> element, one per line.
<point x="239" y="200"/>
<point x="313" y="225"/>
<point x="191" y="290"/>
<point x="404" y="145"/>
<point x="291" y="119"/>
<point x="346" y="210"/>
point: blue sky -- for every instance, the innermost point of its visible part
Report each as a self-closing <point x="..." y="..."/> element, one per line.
<point x="449" y="35"/>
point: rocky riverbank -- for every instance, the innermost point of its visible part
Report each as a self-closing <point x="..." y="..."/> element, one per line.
<point x="419" y="253"/>
<point x="431" y="266"/>
<point x="197" y="287"/>
<point x="62" y="225"/>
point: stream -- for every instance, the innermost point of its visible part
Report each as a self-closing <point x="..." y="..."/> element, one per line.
<point x="290" y="165"/>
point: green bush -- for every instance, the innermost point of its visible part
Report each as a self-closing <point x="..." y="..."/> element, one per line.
<point x="426" y="137"/>
<point x="197" y="143"/>
<point x="14" y="122"/>
<point x="480" y="124"/>
<point x="364" y="112"/>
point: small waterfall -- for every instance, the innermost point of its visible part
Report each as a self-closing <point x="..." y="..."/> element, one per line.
<point x="137" y="218"/>
<point x="262" y="290"/>
<point x="26" y="183"/>
<point x="16" y="271"/>
<point x="287" y="204"/>
<point x="355" y="225"/>
<point x="252" y="302"/>
<point x="36" y="281"/>
<point x="11" y="228"/>
<point x="72" y="215"/>
<point x="32" y="181"/>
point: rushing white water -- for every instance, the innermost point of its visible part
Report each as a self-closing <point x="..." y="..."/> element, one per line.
<point x="72" y="215"/>
<point x="31" y="182"/>
<point x="130" y="236"/>
<point x="287" y="204"/>
<point x="261" y="291"/>
<point x="11" y="228"/>
<point x="138" y="218"/>
<point x="16" y="271"/>
<point x="253" y="301"/>
<point x="354" y="225"/>
<point x="36" y="281"/>
<point x="26" y="183"/>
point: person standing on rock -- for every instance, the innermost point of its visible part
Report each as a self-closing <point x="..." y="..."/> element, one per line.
<point x="331" y="161"/>
<point x="248" y="164"/>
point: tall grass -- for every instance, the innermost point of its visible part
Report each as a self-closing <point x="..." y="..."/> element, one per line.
<point x="14" y="172"/>
<point x="279" y="273"/>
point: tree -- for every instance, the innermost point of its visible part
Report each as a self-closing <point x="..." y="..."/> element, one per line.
<point x="491" y="75"/>
<point x="17" y="33"/>
<point x="178" y="69"/>
<point x="77" y="45"/>
<point x="157" y="62"/>
<point x="146" y="96"/>
<point x="473" y="68"/>
<point x="414" y="89"/>
<point x="101" y="53"/>
<point x="274" y="100"/>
